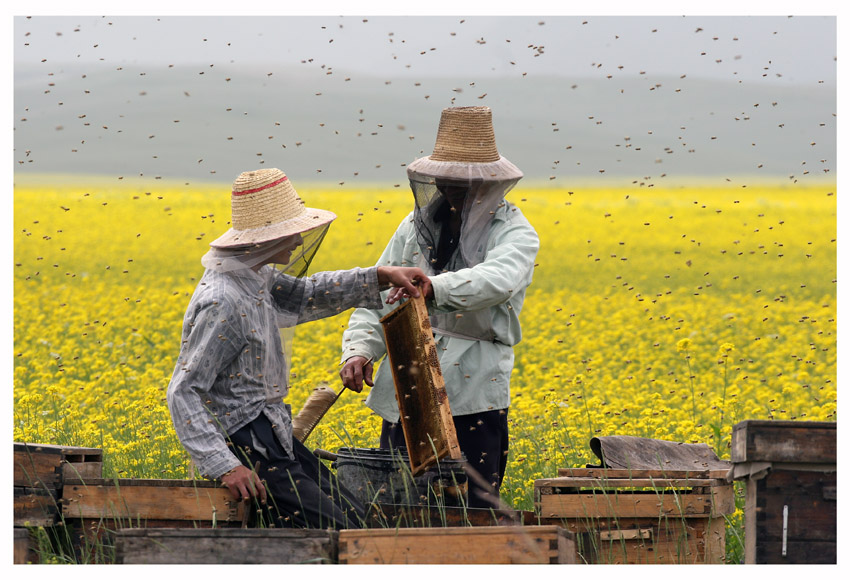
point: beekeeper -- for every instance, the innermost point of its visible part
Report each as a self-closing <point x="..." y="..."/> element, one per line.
<point x="226" y="393"/>
<point x="479" y="252"/>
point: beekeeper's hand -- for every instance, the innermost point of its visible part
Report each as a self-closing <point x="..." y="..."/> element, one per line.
<point x="243" y="484"/>
<point x="356" y="371"/>
<point x="404" y="282"/>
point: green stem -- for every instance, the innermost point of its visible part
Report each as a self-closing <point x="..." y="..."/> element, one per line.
<point x="693" y="391"/>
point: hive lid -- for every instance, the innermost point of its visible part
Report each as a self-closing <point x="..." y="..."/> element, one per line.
<point x="627" y="452"/>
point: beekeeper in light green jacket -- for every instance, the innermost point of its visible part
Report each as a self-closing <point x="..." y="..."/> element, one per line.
<point x="479" y="251"/>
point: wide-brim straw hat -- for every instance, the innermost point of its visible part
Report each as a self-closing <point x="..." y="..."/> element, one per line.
<point x="265" y="207"/>
<point x="465" y="149"/>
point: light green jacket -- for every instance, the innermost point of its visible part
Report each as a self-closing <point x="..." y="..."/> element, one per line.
<point x="476" y="372"/>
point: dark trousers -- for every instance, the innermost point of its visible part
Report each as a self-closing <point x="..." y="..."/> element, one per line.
<point x="483" y="439"/>
<point x="302" y="493"/>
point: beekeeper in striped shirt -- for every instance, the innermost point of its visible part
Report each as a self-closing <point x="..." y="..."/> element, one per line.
<point x="226" y="395"/>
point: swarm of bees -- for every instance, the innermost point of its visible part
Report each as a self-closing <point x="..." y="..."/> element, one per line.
<point x="319" y="95"/>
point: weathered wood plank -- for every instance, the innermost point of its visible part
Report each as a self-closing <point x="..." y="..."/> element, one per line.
<point x="608" y="483"/>
<point x="796" y="552"/>
<point x="784" y="441"/>
<point x="694" y="488"/>
<point x="132" y="482"/>
<point x="426" y="417"/>
<point x="35" y="507"/>
<point x="714" y="540"/>
<point x="628" y="474"/>
<point x="619" y="504"/>
<point x="226" y="546"/>
<point x="750" y="514"/>
<point x="21" y="551"/>
<point x="722" y="500"/>
<point x="624" y="535"/>
<point x="73" y="470"/>
<point x="489" y="545"/>
<point x="36" y="469"/>
<point x="150" y="500"/>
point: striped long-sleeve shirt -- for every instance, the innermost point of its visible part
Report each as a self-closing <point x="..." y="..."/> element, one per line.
<point x="231" y="366"/>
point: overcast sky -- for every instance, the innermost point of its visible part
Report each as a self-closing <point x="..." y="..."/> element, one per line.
<point x="798" y="49"/>
<point x="120" y="59"/>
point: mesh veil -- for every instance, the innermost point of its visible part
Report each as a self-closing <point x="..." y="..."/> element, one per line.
<point x="304" y="247"/>
<point x="482" y="200"/>
<point x="239" y="261"/>
<point x="478" y="207"/>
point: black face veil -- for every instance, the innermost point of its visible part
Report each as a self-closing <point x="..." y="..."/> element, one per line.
<point x="436" y="201"/>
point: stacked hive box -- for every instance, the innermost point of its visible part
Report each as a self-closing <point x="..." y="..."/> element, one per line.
<point x="93" y="508"/>
<point x="791" y="475"/>
<point x="639" y="516"/>
<point x="39" y="472"/>
<point x="57" y="483"/>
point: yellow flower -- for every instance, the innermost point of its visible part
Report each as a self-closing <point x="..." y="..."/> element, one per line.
<point x="97" y="317"/>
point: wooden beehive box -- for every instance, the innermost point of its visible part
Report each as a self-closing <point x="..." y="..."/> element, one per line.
<point x="148" y="501"/>
<point x="639" y="516"/>
<point x="459" y="545"/>
<point x="39" y="472"/>
<point x="785" y="442"/>
<point x="790" y="470"/>
<point x="94" y="509"/>
<point x="426" y="417"/>
<point x="47" y="466"/>
<point x="226" y="546"/>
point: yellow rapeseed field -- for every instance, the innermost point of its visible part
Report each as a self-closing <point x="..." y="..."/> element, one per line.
<point x="666" y="313"/>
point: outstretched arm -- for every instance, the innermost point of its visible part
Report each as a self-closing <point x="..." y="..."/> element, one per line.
<point x="363" y="340"/>
<point x="404" y="282"/>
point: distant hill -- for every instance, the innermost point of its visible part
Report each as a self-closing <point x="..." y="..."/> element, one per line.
<point x="198" y="123"/>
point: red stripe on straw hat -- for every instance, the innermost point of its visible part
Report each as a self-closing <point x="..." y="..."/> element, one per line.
<point x="255" y="190"/>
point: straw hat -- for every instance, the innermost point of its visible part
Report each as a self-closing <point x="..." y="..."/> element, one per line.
<point x="265" y="207"/>
<point x="465" y="149"/>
